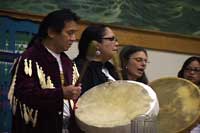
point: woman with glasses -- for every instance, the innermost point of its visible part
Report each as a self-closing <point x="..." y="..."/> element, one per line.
<point x="134" y="60"/>
<point x="104" y="45"/>
<point x="191" y="71"/>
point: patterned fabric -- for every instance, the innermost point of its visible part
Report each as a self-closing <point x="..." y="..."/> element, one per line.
<point x="36" y="91"/>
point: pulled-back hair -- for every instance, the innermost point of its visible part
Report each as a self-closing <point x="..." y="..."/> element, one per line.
<point x="91" y="33"/>
<point x="55" y="21"/>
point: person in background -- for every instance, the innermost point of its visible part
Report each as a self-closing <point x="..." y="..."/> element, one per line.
<point x="191" y="71"/>
<point x="134" y="60"/>
<point x="43" y="77"/>
<point x="99" y="69"/>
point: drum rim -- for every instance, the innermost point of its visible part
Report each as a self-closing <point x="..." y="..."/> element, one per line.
<point x="194" y="122"/>
<point x="149" y="90"/>
<point x="152" y="94"/>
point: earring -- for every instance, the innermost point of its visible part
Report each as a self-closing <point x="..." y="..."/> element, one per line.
<point x="98" y="52"/>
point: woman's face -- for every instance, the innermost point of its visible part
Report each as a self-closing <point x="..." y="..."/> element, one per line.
<point x="192" y="72"/>
<point x="136" y="65"/>
<point x="109" y="45"/>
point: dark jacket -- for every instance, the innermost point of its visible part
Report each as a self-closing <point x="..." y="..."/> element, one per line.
<point x="94" y="75"/>
<point x="38" y="96"/>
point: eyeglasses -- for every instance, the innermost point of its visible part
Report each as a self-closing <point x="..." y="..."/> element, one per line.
<point x="189" y="69"/>
<point x="110" y="38"/>
<point x="140" y="60"/>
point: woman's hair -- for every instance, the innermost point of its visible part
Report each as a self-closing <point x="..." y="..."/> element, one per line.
<point x="125" y="54"/>
<point x="91" y="33"/>
<point x="185" y="65"/>
<point x="55" y="21"/>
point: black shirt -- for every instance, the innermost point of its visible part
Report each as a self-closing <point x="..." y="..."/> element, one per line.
<point x="93" y="75"/>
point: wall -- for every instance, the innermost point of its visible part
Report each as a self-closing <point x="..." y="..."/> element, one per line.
<point x="14" y="36"/>
<point x="164" y="64"/>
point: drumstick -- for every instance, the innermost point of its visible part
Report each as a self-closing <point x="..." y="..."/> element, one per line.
<point x="91" y="52"/>
<point x="117" y="64"/>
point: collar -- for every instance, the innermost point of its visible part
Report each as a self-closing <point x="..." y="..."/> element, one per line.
<point x="45" y="53"/>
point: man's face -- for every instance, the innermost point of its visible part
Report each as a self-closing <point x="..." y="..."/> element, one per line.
<point x="66" y="37"/>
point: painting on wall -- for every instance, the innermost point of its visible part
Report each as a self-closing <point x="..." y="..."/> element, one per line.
<point x="176" y="16"/>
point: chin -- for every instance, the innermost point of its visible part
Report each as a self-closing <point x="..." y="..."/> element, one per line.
<point x="114" y="52"/>
<point x="139" y="75"/>
<point x="66" y="48"/>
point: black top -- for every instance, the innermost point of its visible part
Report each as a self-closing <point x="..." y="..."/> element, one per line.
<point x="94" y="75"/>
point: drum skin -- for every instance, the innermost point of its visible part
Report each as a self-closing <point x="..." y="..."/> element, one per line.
<point x="179" y="102"/>
<point x="110" y="107"/>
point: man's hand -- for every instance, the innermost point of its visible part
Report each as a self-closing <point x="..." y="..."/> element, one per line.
<point x="71" y="92"/>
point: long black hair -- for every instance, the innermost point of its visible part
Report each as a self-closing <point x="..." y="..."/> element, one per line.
<point x="91" y="33"/>
<point x="125" y="54"/>
<point x="56" y="21"/>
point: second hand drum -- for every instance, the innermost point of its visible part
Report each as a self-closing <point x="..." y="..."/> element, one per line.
<point x="110" y="107"/>
<point x="179" y="101"/>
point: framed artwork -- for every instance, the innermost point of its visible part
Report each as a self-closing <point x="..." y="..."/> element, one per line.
<point x="182" y="17"/>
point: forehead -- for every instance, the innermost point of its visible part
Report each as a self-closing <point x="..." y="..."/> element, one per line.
<point x="139" y="54"/>
<point x="71" y="25"/>
<point x="108" y="31"/>
<point x="194" y="63"/>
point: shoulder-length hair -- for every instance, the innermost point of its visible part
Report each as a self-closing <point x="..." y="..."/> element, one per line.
<point x="125" y="54"/>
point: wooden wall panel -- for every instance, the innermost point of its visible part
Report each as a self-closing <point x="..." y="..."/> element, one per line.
<point x="148" y="39"/>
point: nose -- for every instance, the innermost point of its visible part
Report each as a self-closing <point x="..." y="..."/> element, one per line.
<point x="116" y="43"/>
<point x="72" y="37"/>
<point x="144" y="63"/>
<point x="192" y="72"/>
